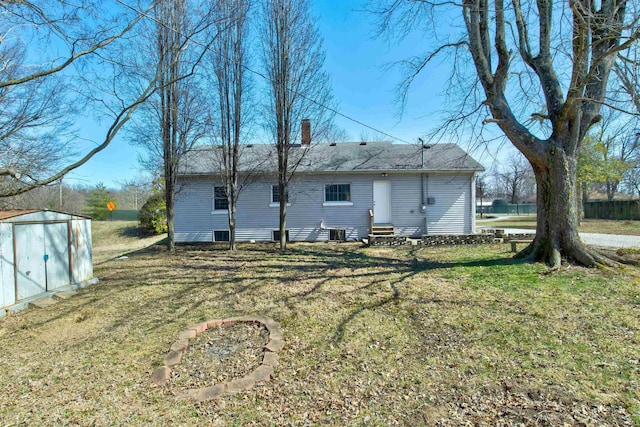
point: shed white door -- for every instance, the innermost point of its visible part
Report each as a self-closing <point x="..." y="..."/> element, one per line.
<point x="31" y="278"/>
<point x="381" y="202"/>
<point x="56" y="252"/>
<point x="42" y="258"/>
<point x="7" y="269"/>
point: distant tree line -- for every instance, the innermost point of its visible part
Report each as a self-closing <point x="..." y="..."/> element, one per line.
<point x="82" y="199"/>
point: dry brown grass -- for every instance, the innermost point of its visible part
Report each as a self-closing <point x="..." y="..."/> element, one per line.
<point x="374" y="336"/>
<point x="112" y="239"/>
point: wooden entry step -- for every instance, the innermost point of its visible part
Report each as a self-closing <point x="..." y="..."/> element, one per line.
<point x="382" y="230"/>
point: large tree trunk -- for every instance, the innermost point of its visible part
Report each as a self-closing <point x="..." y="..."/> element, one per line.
<point x="232" y="200"/>
<point x="232" y="227"/>
<point x="283" y="215"/>
<point x="612" y="188"/>
<point x="169" y="193"/>
<point x="557" y="227"/>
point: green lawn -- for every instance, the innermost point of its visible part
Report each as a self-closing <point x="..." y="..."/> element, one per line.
<point x="373" y="336"/>
<point x="631" y="228"/>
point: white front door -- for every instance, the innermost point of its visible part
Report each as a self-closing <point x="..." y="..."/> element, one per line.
<point x="381" y="202"/>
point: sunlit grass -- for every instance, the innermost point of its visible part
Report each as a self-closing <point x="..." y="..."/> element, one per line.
<point x="379" y="336"/>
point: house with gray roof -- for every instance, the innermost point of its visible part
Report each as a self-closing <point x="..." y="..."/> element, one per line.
<point x="339" y="191"/>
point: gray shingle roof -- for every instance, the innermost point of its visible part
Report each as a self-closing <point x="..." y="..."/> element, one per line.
<point x="339" y="157"/>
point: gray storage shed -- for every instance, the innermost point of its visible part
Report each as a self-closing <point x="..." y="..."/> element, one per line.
<point x="42" y="252"/>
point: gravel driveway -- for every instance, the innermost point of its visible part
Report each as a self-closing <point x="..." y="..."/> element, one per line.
<point x="596" y="239"/>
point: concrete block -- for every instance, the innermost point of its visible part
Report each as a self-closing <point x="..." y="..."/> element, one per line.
<point x="270" y="359"/>
<point x="236" y="386"/>
<point x="160" y="376"/>
<point x="64" y="295"/>
<point x="209" y="393"/>
<point x="43" y="302"/>
<point x="262" y="373"/>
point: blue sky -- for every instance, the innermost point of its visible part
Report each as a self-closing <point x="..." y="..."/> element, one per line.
<point x="362" y="84"/>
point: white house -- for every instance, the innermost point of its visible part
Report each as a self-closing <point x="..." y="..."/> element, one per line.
<point x="416" y="189"/>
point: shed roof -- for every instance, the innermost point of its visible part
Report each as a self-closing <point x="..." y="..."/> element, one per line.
<point x="348" y="157"/>
<point x="43" y="214"/>
<point x="15" y="212"/>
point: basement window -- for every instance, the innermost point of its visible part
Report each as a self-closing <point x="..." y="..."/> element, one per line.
<point x="337" y="234"/>
<point x="221" y="236"/>
<point x="276" y="235"/>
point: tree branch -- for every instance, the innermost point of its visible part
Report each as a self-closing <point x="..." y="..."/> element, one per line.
<point x="122" y="118"/>
<point x="10" y="172"/>
<point x="71" y="59"/>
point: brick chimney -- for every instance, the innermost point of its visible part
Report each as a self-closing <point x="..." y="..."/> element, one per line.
<point x="306" y="132"/>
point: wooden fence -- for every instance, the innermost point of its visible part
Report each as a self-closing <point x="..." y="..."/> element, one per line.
<point x="615" y="209"/>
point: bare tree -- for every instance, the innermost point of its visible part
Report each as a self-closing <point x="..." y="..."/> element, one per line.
<point x="298" y="87"/>
<point x="632" y="181"/>
<point x="42" y="89"/>
<point x="333" y="133"/>
<point x="541" y="70"/>
<point x="134" y="192"/>
<point x="227" y="63"/>
<point x="481" y="191"/>
<point x="367" y="136"/>
<point x="175" y="119"/>
<point x="606" y="156"/>
<point x="627" y="70"/>
<point x="515" y="176"/>
<point x="56" y="196"/>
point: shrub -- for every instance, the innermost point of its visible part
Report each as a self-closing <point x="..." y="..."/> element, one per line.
<point x="96" y="204"/>
<point x="153" y="215"/>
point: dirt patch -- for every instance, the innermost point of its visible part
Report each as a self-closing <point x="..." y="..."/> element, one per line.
<point x="218" y="355"/>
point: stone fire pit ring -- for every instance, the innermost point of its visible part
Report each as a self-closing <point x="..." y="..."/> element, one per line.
<point x="262" y="373"/>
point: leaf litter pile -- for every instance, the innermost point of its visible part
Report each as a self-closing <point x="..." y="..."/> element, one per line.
<point x="444" y="336"/>
<point x="219" y="354"/>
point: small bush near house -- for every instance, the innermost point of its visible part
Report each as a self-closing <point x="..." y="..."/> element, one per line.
<point x="153" y="215"/>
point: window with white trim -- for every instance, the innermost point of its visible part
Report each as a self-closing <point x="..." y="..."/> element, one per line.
<point x="275" y="194"/>
<point x="220" y="201"/>
<point x="337" y="192"/>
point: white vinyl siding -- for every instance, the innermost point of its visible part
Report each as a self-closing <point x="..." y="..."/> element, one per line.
<point x="193" y="206"/>
<point x="451" y="212"/>
<point x="310" y="217"/>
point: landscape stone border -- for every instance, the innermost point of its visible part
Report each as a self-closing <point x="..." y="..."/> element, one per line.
<point x="262" y="373"/>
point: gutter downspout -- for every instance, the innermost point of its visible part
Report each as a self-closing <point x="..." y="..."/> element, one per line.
<point x="423" y="205"/>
